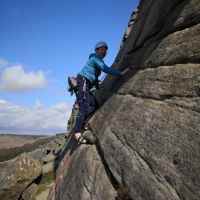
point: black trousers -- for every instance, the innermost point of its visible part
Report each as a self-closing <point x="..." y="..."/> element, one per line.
<point x="86" y="102"/>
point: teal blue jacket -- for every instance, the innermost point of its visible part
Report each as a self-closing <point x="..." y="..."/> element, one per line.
<point x="93" y="68"/>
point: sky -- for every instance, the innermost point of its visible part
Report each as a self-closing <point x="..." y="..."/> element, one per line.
<point x="42" y="42"/>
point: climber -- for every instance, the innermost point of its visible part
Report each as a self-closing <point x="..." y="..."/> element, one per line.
<point x="86" y="79"/>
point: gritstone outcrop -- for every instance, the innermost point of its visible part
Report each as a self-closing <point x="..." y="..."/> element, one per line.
<point x="148" y="122"/>
<point x="31" y="175"/>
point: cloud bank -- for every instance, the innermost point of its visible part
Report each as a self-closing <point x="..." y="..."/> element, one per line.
<point x="37" y="120"/>
<point x="15" y="79"/>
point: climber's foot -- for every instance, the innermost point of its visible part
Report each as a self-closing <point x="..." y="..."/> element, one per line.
<point x="77" y="136"/>
<point x="80" y="139"/>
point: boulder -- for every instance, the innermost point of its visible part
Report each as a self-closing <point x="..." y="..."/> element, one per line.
<point x="17" y="176"/>
<point x="89" y="136"/>
<point x="72" y="119"/>
<point x="48" y="172"/>
<point x="49" y="158"/>
<point x="30" y="192"/>
<point x="50" y="146"/>
<point x="60" y="140"/>
<point x="43" y="195"/>
<point x="49" y="167"/>
<point x="38" y="153"/>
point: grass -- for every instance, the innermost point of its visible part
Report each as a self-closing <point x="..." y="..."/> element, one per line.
<point x="44" y="186"/>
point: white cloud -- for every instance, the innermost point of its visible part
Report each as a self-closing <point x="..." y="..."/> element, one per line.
<point x="2" y="101"/>
<point x="60" y="107"/>
<point x="36" y="120"/>
<point x="38" y="104"/>
<point x="15" y="79"/>
<point x="3" y="63"/>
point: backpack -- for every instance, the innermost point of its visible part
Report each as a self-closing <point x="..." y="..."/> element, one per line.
<point x="72" y="84"/>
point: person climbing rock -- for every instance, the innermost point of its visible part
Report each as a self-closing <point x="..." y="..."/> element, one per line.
<point x="86" y="79"/>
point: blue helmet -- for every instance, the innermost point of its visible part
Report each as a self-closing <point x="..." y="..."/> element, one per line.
<point x="100" y="44"/>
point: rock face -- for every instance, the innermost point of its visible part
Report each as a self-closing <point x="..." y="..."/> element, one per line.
<point x="31" y="175"/>
<point x="30" y="192"/>
<point x="148" y="123"/>
<point x="17" y="176"/>
<point x="80" y="183"/>
<point x="72" y="119"/>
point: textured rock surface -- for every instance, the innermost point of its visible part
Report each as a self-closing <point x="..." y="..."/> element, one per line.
<point x="44" y="194"/>
<point x="30" y="192"/>
<point x="72" y="119"/>
<point x="17" y="176"/>
<point x="87" y="178"/>
<point x="155" y="150"/>
<point x="148" y="124"/>
<point x="46" y="156"/>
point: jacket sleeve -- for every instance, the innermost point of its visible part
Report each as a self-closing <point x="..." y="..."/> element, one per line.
<point x="102" y="66"/>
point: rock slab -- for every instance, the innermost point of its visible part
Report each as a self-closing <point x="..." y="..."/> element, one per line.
<point x="17" y="176"/>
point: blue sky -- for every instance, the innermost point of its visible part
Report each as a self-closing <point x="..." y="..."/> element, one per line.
<point x="41" y="43"/>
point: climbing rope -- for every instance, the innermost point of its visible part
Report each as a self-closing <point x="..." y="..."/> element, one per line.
<point x="62" y="170"/>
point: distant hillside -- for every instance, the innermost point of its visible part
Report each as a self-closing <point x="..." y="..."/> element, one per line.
<point x="14" y="140"/>
<point x="11" y="145"/>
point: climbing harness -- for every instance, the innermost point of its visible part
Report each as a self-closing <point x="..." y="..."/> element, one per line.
<point x="73" y="84"/>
